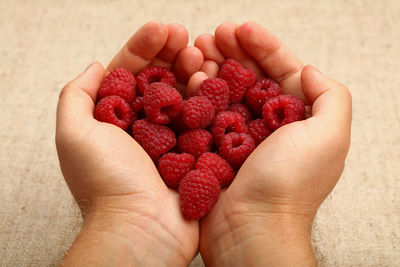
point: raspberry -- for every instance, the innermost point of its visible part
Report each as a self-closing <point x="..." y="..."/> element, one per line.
<point x="199" y="191"/>
<point x="119" y="82"/>
<point x="243" y="110"/>
<point x="114" y="110"/>
<point x="198" y="112"/>
<point x="195" y="142"/>
<point x="122" y="74"/>
<point x="154" y="74"/>
<point x="283" y="109"/>
<point x="236" y="147"/>
<point x="225" y="122"/>
<point x="155" y="139"/>
<point x="137" y="104"/>
<point x="219" y="166"/>
<point x="162" y="103"/>
<point x="217" y="91"/>
<point x="258" y="130"/>
<point x="262" y="90"/>
<point x="173" y="167"/>
<point x="138" y="107"/>
<point x="238" y="78"/>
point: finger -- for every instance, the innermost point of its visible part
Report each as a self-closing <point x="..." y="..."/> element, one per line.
<point x="76" y="100"/>
<point x="141" y="48"/>
<point x="194" y="83"/>
<point x="228" y="44"/>
<point x="292" y="86"/>
<point x="274" y="57"/>
<point x="207" y="45"/>
<point x="211" y="68"/>
<point x="177" y="40"/>
<point x="188" y="61"/>
<point x="330" y="100"/>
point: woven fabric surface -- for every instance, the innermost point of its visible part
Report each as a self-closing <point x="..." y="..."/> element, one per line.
<point x="45" y="44"/>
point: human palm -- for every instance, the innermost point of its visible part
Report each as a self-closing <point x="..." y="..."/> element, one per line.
<point x="106" y="170"/>
<point x="291" y="172"/>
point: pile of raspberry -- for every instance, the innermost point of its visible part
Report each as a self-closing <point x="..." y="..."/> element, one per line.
<point x="199" y="143"/>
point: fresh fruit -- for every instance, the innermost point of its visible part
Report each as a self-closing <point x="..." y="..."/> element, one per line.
<point x="198" y="112"/>
<point x="217" y="165"/>
<point x="243" y="110"/>
<point x="217" y="91"/>
<point x="154" y="74"/>
<point x="283" y="109"/>
<point x="119" y="82"/>
<point x="138" y="107"/>
<point x="262" y="90"/>
<point x="114" y="110"/>
<point x="155" y="139"/>
<point x="195" y="142"/>
<point x="235" y="148"/>
<point x="239" y="79"/>
<point x="199" y="191"/>
<point x="258" y="130"/>
<point x="226" y="122"/>
<point x="173" y="167"/>
<point x="162" y="103"/>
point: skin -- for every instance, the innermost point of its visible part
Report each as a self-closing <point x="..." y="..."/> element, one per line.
<point x="264" y="218"/>
<point x="127" y="208"/>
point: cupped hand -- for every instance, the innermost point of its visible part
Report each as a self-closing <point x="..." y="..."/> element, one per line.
<point x="111" y="177"/>
<point x="267" y="211"/>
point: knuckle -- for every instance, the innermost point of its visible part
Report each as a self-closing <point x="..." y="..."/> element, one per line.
<point x="65" y="90"/>
<point x="344" y="91"/>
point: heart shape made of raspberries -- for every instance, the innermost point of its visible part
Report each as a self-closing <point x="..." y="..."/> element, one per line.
<point x="199" y="143"/>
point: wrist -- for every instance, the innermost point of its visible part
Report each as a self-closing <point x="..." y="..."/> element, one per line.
<point x="246" y="238"/>
<point x="117" y="234"/>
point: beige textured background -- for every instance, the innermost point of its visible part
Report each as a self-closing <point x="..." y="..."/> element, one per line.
<point x="44" y="44"/>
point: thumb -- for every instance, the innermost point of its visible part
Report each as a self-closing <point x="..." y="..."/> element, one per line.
<point x="330" y="100"/>
<point x="77" y="98"/>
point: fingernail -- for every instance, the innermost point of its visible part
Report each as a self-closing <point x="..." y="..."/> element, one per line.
<point x="316" y="69"/>
<point x="88" y="67"/>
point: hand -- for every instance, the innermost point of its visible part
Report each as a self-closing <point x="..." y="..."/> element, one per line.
<point x="265" y="216"/>
<point x="129" y="213"/>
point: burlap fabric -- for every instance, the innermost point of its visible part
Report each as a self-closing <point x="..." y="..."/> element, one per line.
<point x="44" y="44"/>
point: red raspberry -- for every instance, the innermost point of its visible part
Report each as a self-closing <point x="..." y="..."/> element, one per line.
<point x="262" y="90"/>
<point x="238" y="79"/>
<point x="243" y="110"/>
<point x="235" y="148"/>
<point x="137" y="104"/>
<point x="121" y="74"/>
<point x="138" y="107"/>
<point x="119" y="82"/>
<point x="154" y="74"/>
<point x="258" y="130"/>
<point x="199" y="191"/>
<point x="217" y="91"/>
<point x="198" y="112"/>
<point x="225" y="122"/>
<point x="219" y="166"/>
<point x="155" y="139"/>
<point x="114" y="110"/>
<point x="195" y="142"/>
<point x="283" y="109"/>
<point x="162" y="103"/>
<point x="173" y="167"/>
